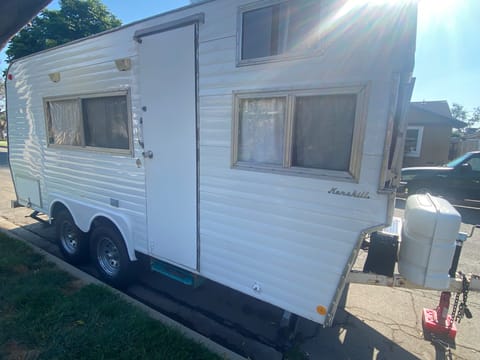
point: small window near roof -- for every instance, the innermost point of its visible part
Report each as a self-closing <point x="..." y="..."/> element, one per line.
<point x="284" y="27"/>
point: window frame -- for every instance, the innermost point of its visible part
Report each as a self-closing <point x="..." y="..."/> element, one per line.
<point x="418" y="147"/>
<point x="359" y="123"/>
<point x="79" y="98"/>
<point x="287" y="55"/>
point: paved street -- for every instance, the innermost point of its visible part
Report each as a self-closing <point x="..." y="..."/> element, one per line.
<point x="379" y="323"/>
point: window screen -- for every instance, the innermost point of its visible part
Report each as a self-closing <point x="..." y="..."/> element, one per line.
<point x="106" y="122"/>
<point x="279" y="28"/>
<point x="323" y="131"/>
<point x="263" y="31"/>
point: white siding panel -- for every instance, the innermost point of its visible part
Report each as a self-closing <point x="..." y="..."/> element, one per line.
<point x="214" y="130"/>
<point x="284" y="231"/>
<point x="90" y="177"/>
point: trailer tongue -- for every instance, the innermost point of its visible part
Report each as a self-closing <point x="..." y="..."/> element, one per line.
<point x="430" y="249"/>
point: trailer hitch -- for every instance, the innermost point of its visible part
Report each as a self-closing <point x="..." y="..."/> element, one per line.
<point x="438" y="322"/>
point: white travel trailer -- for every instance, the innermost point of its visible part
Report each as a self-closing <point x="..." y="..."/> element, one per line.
<point x="253" y="143"/>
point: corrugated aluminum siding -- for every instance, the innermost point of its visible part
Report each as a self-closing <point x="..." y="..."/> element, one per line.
<point x="285" y="233"/>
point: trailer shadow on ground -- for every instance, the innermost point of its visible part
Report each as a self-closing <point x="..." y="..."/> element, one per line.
<point x="251" y="327"/>
<point x="246" y="325"/>
<point x="351" y="338"/>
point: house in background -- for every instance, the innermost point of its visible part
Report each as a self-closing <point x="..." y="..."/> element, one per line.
<point x="427" y="141"/>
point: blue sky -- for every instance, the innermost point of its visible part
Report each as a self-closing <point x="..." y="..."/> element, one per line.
<point x="448" y="47"/>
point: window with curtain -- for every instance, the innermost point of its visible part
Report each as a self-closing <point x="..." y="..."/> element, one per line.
<point x="261" y="130"/>
<point x="64" y="123"/>
<point x="94" y="121"/>
<point x="315" y="132"/>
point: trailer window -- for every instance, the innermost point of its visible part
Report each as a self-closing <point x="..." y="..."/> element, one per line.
<point x="314" y="132"/>
<point x="279" y="28"/>
<point x="93" y="121"/>
<point x="64" y="123"/>
<point x="323" y="131"/>
<point x="106" y="122"/>
<point x="261" y="130"/>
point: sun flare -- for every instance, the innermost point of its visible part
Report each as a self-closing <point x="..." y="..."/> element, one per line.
<point x="432" y="12"/>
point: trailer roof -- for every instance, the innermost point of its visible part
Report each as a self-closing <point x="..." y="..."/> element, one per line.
<point x="192" y="5"/>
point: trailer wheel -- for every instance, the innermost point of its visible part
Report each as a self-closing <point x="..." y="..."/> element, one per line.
<point x="110" y="256"/>
<point x="73" y="242"/>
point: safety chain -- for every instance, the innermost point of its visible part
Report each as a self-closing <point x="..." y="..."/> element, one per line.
<point x="454" y="309"/>
<point x="463" y="309"/>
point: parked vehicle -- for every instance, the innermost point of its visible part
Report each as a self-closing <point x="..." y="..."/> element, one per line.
<point x="457" y="180"/>
<point x="253" y="143"/>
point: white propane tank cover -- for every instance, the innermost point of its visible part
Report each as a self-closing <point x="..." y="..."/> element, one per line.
<point x="428" y="241"/>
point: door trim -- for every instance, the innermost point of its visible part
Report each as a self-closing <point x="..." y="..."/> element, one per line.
<point x="194" y="19"/>
<point x="197" y="129"/>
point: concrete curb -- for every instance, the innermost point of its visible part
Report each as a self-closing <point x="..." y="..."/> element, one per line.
<point x="18" y="233"/>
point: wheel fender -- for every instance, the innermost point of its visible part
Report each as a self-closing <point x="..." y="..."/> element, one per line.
<point x="85" y="214"/>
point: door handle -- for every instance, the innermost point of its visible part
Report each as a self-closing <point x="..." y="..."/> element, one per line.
<point x="148" y="154"/>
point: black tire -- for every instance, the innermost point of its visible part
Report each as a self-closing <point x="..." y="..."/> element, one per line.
<point x="73" y="242"/>
<point x="110" y="256"/>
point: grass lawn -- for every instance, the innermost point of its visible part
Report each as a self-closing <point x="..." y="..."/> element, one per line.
<point x="47" y="314"/>
<point x="3" y="143"/>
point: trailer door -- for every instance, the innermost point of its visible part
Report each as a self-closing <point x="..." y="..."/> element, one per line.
<point x="168" y="96"/>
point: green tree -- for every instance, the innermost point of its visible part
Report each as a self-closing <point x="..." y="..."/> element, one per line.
<point x="471" y="118"/>
<point x="458" y="112"/>
<point x="75" y="19"/>
<point x="474" y="118"/>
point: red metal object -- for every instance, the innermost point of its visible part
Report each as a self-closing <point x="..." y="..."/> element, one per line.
<point x="10" y="77"/>
<point x="437" y="321"/>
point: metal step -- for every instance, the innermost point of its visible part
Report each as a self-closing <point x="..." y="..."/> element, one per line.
<point x="176" y="273"/>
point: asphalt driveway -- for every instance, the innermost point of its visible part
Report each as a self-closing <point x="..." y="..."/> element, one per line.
<point x="379" y="322"/>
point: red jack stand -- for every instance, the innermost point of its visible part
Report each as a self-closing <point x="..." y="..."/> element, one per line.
<point x="438" y="322"/>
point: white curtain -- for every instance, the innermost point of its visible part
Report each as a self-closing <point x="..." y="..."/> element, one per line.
<point x="261" y="130"/>
<point x="65" y="122"/>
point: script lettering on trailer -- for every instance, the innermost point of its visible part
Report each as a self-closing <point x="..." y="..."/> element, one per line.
<point x="355" y="193"/>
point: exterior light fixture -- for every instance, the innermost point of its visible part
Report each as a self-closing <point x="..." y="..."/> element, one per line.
<point x="123" y="64"/>
<point x="55" y="77"/>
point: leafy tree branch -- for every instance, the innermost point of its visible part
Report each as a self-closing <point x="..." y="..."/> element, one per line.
<point x="75" y="19"/>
